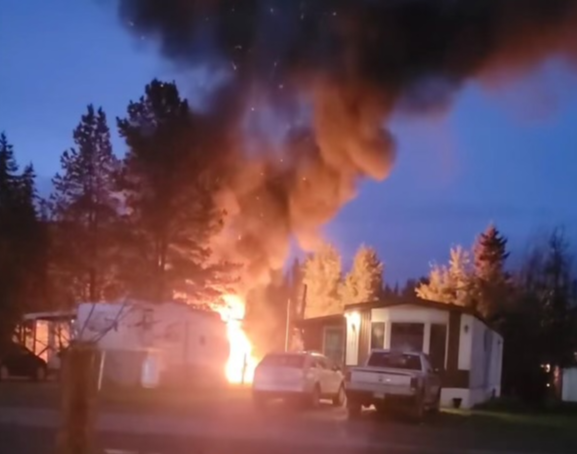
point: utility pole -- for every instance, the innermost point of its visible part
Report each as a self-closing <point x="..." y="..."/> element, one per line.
<point x="287" y="326"/>
<point x="79" y="385"/>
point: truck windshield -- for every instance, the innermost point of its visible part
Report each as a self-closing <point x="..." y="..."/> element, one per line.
<point x="394" y="360"/>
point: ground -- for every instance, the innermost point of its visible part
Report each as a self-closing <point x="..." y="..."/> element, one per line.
<point x="167" y="423"/>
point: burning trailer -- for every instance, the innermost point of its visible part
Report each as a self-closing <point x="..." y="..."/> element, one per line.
<point x="150" y="345"/>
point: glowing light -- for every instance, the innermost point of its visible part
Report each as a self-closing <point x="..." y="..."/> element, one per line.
<point x="353" y="320"/>
<point x="241" y="362"/>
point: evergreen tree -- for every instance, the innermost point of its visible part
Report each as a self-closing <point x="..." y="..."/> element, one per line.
<point x="409" y="290"/>
<point x="364" y="282"/>
<point x="21" y="242"/>
<point x="557" y="301"/>
<point x="391" y="292"/>
<point x="540" y="322"/>
<point x="322" y="276"/>
<point x="491" y="280"/>
<point x="168" y="183"/>
<point x="8" y="175"/>
<point x="85" y="211"/>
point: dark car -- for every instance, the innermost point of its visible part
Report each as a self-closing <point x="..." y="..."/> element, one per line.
<point x="17" y="361"/>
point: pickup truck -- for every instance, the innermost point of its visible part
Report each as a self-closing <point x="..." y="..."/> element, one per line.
<point x="391" y="378"/>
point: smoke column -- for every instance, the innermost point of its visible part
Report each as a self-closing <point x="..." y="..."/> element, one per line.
<point x="343" y="66"/>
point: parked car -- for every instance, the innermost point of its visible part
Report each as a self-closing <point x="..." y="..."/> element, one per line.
<point x="17" y="361"/>
<point x="391" y="378"/>
<point x="304" y="377"/>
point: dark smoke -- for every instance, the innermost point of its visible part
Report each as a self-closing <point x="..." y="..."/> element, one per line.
<point x="350" y="63"/>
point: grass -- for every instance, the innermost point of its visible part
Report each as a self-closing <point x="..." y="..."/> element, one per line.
<point x="47" y="395"/>
<point x="513" y="413"/>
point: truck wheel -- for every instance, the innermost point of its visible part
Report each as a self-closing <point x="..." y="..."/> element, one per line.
<point x="382" y="409"/>
<point x="436" y="407"/>
<point x="354" y="409"/>
<point x="418" y="411"/>
<point x="340" y="397"/>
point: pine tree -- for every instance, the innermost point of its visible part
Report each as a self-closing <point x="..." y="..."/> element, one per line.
<point x="364" y="282"/>
<point x="409" y="290"/>
<point x="85" y="210"/>
<point x="8" y="178"/>
<point x="21" y="242"/>
<point x="322" y="276"/>
<point x="168" y="182"/>
<point x="540" y="322"/>
<point x="8" y="175"/>
<point x="391" y="292"/>
<point x="491" y="280"/>
<point x="557" y="301"/>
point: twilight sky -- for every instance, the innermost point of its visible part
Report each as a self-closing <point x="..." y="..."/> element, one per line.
<point x="505" y="152"/>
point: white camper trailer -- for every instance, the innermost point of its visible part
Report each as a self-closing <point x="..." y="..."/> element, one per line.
<point x="164" y="343"/>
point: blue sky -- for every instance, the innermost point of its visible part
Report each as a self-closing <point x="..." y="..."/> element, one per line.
<point x="504" y="152"/>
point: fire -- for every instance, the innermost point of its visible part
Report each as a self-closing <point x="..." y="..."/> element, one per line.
<point x="241" y="363"/>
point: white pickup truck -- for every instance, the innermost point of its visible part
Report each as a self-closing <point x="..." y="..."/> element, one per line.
<point x="394" y="378"/>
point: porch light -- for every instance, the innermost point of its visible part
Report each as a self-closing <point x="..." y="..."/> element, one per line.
<point x="353" y="320"/>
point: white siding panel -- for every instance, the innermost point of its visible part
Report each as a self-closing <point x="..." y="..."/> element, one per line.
<point x="352" y="345"/>
<point x="569" y="390"/>
<point x="465" y="342"/>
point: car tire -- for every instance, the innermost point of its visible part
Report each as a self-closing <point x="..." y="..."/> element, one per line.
<point x="354" y="409"/>
<point x="315" y="397"/>
<point x="340" y="398"/>
<point x="4" y="373"/>
<point x="40" y="374"/>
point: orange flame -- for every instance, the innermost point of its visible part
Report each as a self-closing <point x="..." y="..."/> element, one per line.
<point x="241" y="363"/>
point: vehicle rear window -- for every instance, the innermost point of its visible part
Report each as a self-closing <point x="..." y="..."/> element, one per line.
<point x="394" y="360"/>
<point x="295" y="361"/>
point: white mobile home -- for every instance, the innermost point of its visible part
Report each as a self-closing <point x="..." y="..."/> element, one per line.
<point x="467" y="352"/>
<point x="185" y="344"/>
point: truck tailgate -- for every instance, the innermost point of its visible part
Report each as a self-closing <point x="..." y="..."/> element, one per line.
<point x="381" y="377"/>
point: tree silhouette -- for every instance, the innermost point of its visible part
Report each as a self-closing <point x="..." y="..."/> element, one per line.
<point x="491" y="280"/>
<point x="168" y="183"/>
<point x="84" y="209"/>
<point x="22" y="242"/>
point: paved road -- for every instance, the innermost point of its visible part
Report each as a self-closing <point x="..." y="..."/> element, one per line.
<point x="17" y="439"/>
<point x="26" y="431"/>
<point x="227" y="428"/>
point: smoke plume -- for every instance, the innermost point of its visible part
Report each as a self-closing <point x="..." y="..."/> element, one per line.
<point x="332" y="72"/>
